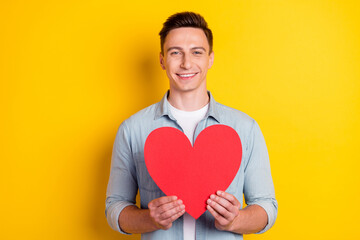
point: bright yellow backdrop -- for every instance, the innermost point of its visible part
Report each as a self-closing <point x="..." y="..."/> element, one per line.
<point x="72" y="71"/>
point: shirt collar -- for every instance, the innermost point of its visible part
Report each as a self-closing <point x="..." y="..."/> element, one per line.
<point x="162" y="108"/>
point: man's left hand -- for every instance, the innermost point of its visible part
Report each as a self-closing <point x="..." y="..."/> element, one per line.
<point x="225" y="208"/>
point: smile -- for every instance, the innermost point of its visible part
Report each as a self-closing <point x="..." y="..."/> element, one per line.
<point x="186" y="76"/>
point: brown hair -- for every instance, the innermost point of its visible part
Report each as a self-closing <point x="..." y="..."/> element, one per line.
<point x="185" y="19"/>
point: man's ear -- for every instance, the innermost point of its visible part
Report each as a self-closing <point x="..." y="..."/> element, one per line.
<point x="211" y="59"/>
<point x="161" y="57"/>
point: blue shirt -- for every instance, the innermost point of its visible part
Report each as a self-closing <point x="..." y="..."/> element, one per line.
<point x="129" y="174"/>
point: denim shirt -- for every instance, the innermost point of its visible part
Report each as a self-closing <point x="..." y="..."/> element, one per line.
<point x="128" y="172"/>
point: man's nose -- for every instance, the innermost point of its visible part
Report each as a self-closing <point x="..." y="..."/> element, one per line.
<point x="186" y="61"/>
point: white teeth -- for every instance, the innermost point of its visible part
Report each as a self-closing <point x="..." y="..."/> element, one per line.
<point x="187" y="75"/>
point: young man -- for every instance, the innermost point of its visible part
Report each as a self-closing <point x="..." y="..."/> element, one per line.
<point x="186" y="55"/>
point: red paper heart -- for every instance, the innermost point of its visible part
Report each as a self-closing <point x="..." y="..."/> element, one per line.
<point x="193" y="173"/>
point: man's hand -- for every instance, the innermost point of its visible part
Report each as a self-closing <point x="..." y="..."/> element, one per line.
<point x="165" y="210"/>
<point x="225" y="208"/>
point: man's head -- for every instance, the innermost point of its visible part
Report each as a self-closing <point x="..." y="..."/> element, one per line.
<point x="186" y="52"/>
<point x="185" y="19"/>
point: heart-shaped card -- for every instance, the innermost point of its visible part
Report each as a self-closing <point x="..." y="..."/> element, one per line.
<point x="193" y="173"/>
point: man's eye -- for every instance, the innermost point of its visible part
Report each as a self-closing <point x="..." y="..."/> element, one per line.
<point x="197" y="53"/>
<point x="175" y="53"/>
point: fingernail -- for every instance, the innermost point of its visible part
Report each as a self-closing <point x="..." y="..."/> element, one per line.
<point x="212" y="196"/>
<point x="219" y="192"/>
<point x="179" y="201"/>
<point x="209" y="201"/>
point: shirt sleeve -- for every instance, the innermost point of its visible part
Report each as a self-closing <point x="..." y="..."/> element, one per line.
<point x="122" y="186"/>
<point x="258" y="184"/>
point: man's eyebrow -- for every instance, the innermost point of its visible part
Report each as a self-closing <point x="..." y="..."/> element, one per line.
<point x="199" y="48"/>
<point x="172" y="48"/>
<point x="180" y="48"/>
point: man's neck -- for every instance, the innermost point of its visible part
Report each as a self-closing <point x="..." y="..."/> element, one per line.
<point x="189" y="101"/>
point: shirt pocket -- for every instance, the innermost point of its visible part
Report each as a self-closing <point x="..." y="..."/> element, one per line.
<point x="147" y="187"/>
<point x="145" y="181"/>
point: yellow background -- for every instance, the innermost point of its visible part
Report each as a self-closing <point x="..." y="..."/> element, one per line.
<point x="72" y="71"/>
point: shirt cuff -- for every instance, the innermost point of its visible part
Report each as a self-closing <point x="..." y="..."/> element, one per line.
<point x="113" y="213"/>
<point x="270" y="208"/>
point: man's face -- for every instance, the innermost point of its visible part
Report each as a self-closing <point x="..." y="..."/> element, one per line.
<point x="186" y="59"/>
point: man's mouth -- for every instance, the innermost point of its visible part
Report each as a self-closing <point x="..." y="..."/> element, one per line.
<point x="186" y="76"/>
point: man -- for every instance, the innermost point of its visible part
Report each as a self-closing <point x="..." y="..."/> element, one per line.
<point x="186" y="55"/>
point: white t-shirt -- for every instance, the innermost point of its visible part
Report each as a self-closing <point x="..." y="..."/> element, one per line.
<point x="188" y="122"/>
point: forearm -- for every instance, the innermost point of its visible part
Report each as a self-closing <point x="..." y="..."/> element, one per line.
<point x="251" y="219"/>
<point x="135" y="220"/>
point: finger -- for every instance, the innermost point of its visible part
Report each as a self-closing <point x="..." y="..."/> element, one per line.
<point x="220" y="219"/>
<point x="170" y="209"/>
<point x="229" y="206"/>
<point x="172" y="218"/>
<point x="164" y="221"/>
<point x="231" y="198"/>
<point x="219" y="208"/>
<point x="171" y="206"/>
<point x="160" y="201"/>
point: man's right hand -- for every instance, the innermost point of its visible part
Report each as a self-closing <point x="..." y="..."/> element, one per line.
<point x="165" y="210"/>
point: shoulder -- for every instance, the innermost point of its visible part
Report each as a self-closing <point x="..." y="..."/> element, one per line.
<point x="145" y="115"/>
<point x="234" y="116"/>
<point x="246" y="127"/>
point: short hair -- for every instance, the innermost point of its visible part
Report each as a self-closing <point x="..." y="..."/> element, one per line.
<point x="185" y="19"/>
